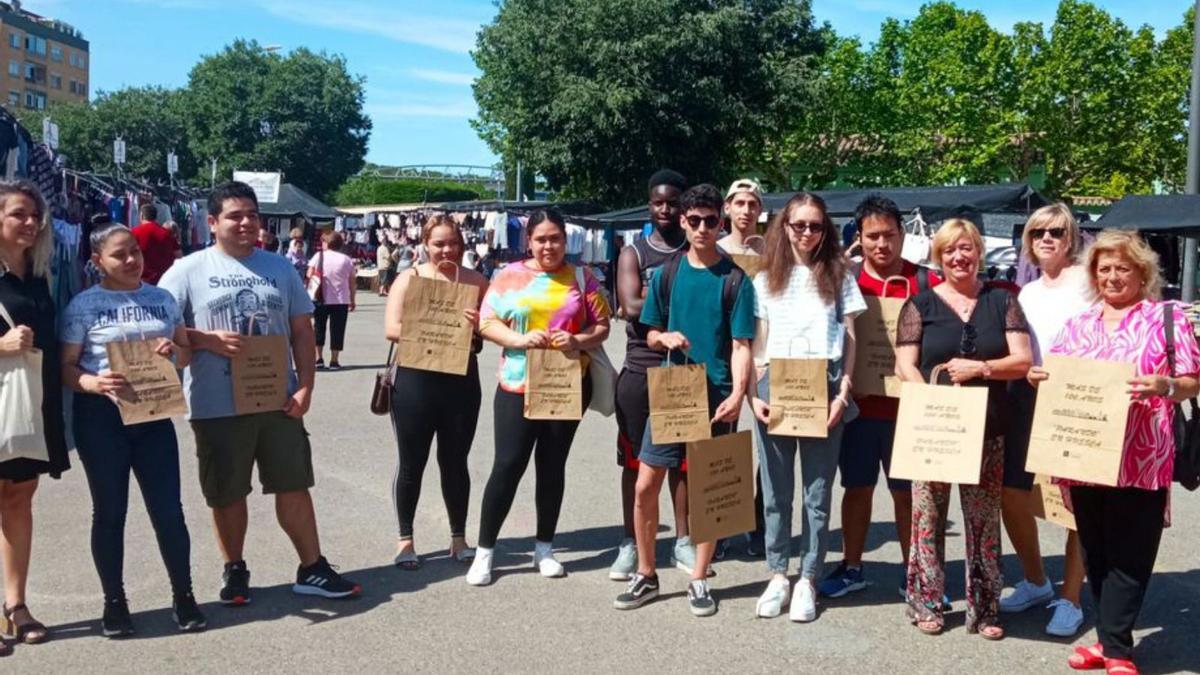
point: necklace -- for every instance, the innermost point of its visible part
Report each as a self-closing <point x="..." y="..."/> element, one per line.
<point x="960" y="303"/>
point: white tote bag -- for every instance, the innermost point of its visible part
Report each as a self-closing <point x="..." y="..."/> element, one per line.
<point x="916" y="242"/>
<point x="600" y="370"/>
<point x="21" y="403"/>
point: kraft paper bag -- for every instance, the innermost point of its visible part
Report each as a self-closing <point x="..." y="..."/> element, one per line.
<point x="553" y="385"/>
<point x="1079" y="420"/>
<point x="260" y="374"/>
<point x="799" y="402"/>
<point x="154" y="391"/>
<point x="750" y="264"/>
<point x="678" y="404"/>
<point x="720" y="487"/>
<point x="1048" y="503"/>
<point x="875" y="344"/>
<point x="434" y="335"/>
<point x="939" y="433"/>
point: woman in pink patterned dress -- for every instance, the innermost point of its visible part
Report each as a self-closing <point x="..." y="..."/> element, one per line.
<point x="1120" y="527"/>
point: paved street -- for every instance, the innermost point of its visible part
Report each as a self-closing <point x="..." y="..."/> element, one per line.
<point x="430" y="620"/>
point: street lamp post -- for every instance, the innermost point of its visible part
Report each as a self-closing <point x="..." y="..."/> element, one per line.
<point x="1188" y="285"/>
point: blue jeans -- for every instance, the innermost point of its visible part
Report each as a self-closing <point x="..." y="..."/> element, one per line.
<point x="818" y="468"/>
<point x="110" y="451"/>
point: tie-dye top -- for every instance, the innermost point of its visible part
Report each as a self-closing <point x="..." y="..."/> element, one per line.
<point x="525" y="299"/>
<point x="1149" y="458"/>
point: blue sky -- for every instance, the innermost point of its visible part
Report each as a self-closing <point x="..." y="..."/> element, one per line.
<point x="413" y="53"/>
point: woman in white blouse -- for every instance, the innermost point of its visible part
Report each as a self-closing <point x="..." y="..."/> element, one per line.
<point x="806" y="301"/>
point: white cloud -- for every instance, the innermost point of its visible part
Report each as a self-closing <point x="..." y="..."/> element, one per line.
<point x="390" y="21"/>
<point x="417" y="106"/>
<point x="442" y="76"/>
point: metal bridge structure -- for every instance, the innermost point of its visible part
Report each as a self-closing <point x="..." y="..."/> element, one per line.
<point x="490" y="177"/>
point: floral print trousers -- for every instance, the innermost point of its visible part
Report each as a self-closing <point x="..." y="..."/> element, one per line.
<point x="927" y="562"/>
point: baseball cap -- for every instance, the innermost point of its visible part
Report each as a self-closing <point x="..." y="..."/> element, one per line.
<point x="744" y="185"/>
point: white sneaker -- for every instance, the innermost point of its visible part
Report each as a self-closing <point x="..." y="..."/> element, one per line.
<point x="804" y="601"/>
<point x="1026" y="595"/>
<point x="771" y="603"/>
<point x="480" y="573"/>
<point x="1067" y="618"/>
<point x="543" y="559"/>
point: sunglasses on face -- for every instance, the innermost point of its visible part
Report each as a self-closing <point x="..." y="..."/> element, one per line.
<point x="1054" y="232"/>
<point x="801" y="227"/>
<point x="709" y="222"/>
<point x="966" y="342"/>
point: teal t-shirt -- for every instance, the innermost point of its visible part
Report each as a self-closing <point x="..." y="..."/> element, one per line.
<point x="697" y="312"/>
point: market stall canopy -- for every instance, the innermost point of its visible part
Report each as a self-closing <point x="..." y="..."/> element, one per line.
<point x="1166" y="214"/>
<point x="564" y="207"/>
<point x="934" y="203"/>
<point x="296" y="202"/>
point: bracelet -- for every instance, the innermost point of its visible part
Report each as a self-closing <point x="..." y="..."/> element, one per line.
<point x="845" y="402"/>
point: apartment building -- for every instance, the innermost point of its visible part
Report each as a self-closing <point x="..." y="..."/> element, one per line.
<point x="43" y="60"/>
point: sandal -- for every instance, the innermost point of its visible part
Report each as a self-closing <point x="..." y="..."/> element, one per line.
<point x="408" y="560"/>
<point x="465" y="555"/>
<point x="30" y="632"/>
<point x="1120" y="667"/>
<point x="990" y="631"/>
<point x="1087" y="658"/>
<point x="930" y="627"/>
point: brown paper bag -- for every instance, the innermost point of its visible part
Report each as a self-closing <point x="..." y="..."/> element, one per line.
<point x="875" y="344"/>
<point x="750" y="264"/>
<point x="260" y="374"/>
<point x="553" y="385"/>
<point x="720" y="487"/>
<point x="434" y="335"/>
<point x="1079" y="420"/>
<point x="154" y="391"/>
<point x="1048" y="503"/>
<point x="799" y="398"/>
<point x="939" y="433"/>
<point x="678" y="404"/>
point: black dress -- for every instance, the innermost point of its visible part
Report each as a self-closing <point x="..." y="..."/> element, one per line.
<point x="30" y="304"/>
<point x="928" y="321"/>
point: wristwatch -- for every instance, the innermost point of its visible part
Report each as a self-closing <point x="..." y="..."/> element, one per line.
<point x="1170" y="387"/>
<point x="987" y="370"/>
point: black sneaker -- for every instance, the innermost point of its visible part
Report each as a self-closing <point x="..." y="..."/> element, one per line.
<point x="322" y="579"/>
<point x="116" y="622"/>
<point x="700" y="599"/>
<point x="641" y="589"/>
<point x="235" y="589"/>
<point x="334" y="365"/>
<point x="187" y="614"/>
<point x="320" y="364"/>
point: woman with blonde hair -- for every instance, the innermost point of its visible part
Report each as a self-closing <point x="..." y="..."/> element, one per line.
<point x="978" y="336"/>
<point x="1120" y="527"/>
<point x="28" y="321"/>
<point x="1051" y="242"/>
<point x="426" y="404"/>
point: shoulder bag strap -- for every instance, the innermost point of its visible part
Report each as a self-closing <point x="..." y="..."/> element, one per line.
<point x="7" y="317"/>
<point x="1169" y="330"/>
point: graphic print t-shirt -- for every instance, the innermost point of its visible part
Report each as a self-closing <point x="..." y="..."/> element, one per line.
<point x="255" y="295"/>
<point x="98" y="316"/>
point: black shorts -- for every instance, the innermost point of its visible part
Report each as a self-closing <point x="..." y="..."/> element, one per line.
<point x="1016" y="439"/>
<point x="633" y="410"/>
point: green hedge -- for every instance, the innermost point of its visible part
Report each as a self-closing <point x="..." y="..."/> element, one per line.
<point x="364" y="191"/>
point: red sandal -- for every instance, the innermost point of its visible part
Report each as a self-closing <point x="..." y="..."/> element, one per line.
<point x="1120" y="667"/>
<point x="1087" y="658"/>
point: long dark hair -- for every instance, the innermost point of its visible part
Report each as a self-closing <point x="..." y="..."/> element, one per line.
<point x="828" y="265"/>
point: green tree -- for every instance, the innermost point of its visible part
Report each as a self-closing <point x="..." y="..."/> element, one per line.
<point x="150" y="119"/>
<point x="301" y="114"/>
<point x="365" y="190"/>
<point x="597" y="95"/>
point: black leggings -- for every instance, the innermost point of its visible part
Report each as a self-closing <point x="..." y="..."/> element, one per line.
<point x="425" y="404"/>
<point x="549" y="442"/>
<point x="1119" y="530"/>
<point x="336" y="315"/>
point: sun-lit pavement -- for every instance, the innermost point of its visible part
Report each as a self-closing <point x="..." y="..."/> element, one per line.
<point x="430" y="620"/>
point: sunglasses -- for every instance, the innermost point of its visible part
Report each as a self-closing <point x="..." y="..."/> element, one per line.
<point x="802" y="227"/>
<point x="1054" y="232"/>
<point x="709" y="222"/>
<point x="966" y="342"/>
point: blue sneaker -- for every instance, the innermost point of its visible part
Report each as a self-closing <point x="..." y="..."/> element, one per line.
<point x="843" y="580"/>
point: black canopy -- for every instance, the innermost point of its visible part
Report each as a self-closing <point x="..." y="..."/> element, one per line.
<point x="296" y="202"/>
<point x="565" y="207"/>
<point x="1166" y="214"/>
<point x="935" y="203"/>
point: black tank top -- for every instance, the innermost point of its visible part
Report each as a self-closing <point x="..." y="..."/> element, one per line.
<point x="638" y="355"/>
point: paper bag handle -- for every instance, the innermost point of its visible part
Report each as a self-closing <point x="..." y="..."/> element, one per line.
<point x="937" y="370"/>
<point x="747" y="240"/>
<point x="897" y="280"/>
<point x="667" y="361"/>
<point x="793" y="341"/>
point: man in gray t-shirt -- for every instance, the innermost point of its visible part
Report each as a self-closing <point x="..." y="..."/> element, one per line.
<point x="231" y="290"/>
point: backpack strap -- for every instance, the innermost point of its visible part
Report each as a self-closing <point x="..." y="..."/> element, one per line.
<point x="922" y="278"/>
<point x="1169" y="330"/>
<point x="666" y="281"/>
<point x="731" y="287"/>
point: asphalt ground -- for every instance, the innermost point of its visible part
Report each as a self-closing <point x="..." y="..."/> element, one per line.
<point x="431" y="620"/>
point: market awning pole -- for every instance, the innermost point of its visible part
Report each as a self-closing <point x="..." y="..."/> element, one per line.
<point x="1188" y="283"/>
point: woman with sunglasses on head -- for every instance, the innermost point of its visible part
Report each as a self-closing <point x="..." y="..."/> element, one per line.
<point x="806" y="303"/>
<point x="1051" y="242"/>
<point x="27" y="322"/>
<point x="979" y="335"/>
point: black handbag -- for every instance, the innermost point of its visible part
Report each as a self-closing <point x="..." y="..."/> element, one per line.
<point x="381" y="396"/>
<point x="1187" y="427"/>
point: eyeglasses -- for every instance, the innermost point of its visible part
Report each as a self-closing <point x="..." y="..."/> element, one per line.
<point x="709" y="222"/>
<point x="802" y="227"/>
<point x="966" y="343"/>
<point x="1054" y="232"/>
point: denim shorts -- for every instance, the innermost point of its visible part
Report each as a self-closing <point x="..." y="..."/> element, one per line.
<point x="673" y="455"/>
